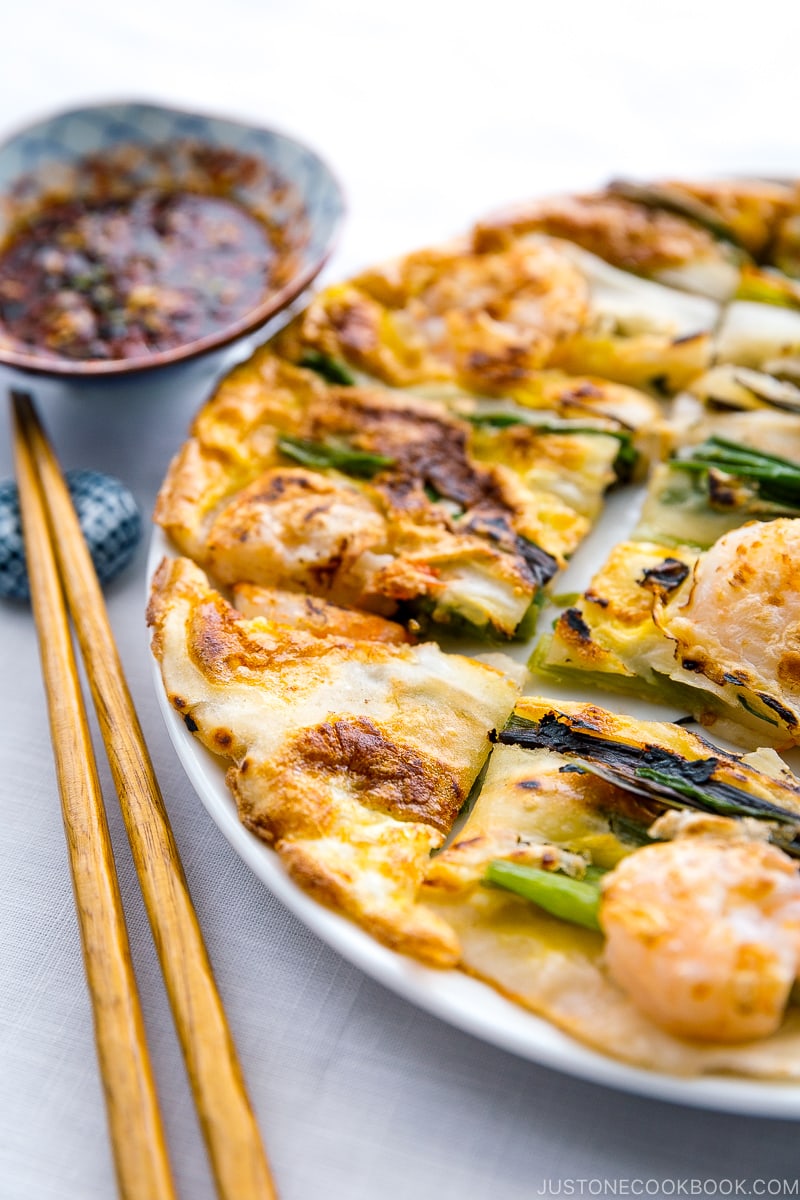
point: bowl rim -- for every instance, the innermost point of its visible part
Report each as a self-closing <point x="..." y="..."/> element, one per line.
<point x="253" y="320"/>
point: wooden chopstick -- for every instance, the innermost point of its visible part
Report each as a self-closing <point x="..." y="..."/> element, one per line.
<point x="137" y="1137"/>
<point x="234" y="1144"/>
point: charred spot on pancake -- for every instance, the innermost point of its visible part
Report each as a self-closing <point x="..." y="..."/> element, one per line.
<point x="510" y="366"/>
<point x="324" y="574"/>
<point x="779" y="709"/>
<point x="665" y="576"/>
<point x="472" y="841"/>
<point x="190" y="724"/>
<point x="389" y="777"/>
<point x="541" y="565"/>
<point x="572" y="629"/>
<point x="276" y="487"/>
<point x="431" y="463"/>
<point x="725" y="492"/>
<point x="426" y="448"/>
<point x="573" y="618"/>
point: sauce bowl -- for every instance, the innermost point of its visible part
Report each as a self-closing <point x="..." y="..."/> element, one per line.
<point x="113" y="152"/>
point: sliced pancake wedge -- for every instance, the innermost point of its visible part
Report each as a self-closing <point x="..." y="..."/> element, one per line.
<point x="628" y="233"/>
<point x="569" y="803"/>
<point x="698" y="236"/>
<point x="489" y="319"/>
<point x="715" y="633"/>
<point x="731" y="241"/>
<point x="481" y="320"/>
<point x="383" y="500"/>
<point x="351" y="757"/>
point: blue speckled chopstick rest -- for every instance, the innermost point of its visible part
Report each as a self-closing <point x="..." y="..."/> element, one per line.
<point x="109" y="518"/>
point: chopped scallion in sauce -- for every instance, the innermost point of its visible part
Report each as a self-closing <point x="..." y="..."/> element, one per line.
<point x="119" y="279"/>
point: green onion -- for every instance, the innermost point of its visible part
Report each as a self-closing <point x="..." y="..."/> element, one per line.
<point x="673" y="781"/>
<point x="634" y="833"/>
<point x="454" y="507"/>
<point x="768" y="287"/>
<point x="651" y="771"/>
<point x="575" y="900"/>
<point x="565" y="599"/>
<point x="332" y="369"/>
<point x="777" y="479"/>
<point x="330" y="453"/>
<point x="627" y="455"/>
<point x="506" y="420"/>
<point x="527" y="626"/>
<point x="754" y="711"/>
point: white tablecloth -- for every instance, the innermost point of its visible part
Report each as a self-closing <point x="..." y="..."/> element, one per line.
<point x="431" y="113"/>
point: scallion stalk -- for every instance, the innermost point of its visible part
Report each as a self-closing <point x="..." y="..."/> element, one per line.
<point x="338" y="455"/>
<point x="332" y="369"/>
<point x="574" y="900"/>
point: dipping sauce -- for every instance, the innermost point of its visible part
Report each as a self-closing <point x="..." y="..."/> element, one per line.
<point x="117" y="279"/>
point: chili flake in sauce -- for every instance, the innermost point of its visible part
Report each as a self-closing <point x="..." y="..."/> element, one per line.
<point x="116" y="279"/>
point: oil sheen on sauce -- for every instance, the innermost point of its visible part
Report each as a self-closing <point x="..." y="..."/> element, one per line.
<point x="121" y="279"/>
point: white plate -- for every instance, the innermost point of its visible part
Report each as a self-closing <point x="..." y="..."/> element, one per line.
<point x="456" y="998"/>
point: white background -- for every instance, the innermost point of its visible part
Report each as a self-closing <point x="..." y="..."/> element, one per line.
<point x="431" y="113"/>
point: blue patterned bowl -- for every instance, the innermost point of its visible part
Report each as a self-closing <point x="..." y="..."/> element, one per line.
<point x="141" y="145"/>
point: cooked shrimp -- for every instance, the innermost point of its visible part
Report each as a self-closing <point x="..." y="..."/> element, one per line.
<point x="703" y="935"/>
<point x="744" y="606"/>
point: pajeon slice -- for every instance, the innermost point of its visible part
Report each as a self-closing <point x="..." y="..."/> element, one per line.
<point x="637" y="331"/>
<point x="711" y="237"/>
<point x="316" y="616"/>
<point x="481" y="320"/>
<point x="582" y="399"/>
<point x="732" y="241"/>
<point x="759" y="326"/>
<point x="716" y="634"/>
<point x="763" y="216"/>
<point x="731" y="468"/>
<point x="384" y="501"/>
<point x="577" y="892"/>
<point x="608" y="638"/>
<point x="749" y="212"/>
<point x="489" y="320"/>
<point x="352" y="758"/>
<point x="645" y="239"/>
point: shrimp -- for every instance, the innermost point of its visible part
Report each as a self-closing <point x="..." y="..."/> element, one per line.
<point x="703" y="935"/>
<point x="744" y="606"/>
